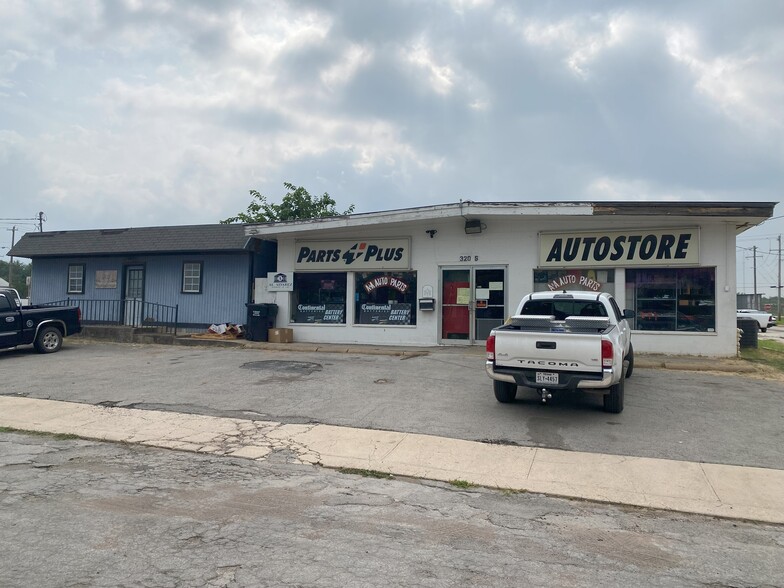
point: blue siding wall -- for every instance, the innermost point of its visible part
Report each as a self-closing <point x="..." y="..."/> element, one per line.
<point x="50" y="279"/>
<point x="225" y="283"/>
<point x="225" y="287"/>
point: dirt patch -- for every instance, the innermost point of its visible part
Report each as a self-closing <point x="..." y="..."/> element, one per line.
<point x="710" y="365"/>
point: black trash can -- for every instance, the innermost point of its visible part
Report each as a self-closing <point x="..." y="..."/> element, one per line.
<point x="261" y="318"/>
<point x="749" y="338"/>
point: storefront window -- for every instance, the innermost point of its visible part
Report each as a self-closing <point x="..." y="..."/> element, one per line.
<point x="591" y="280"/>
<point x="385" y="298"/>
<point x="319" y="298"/>
<point x="672" y="299"/>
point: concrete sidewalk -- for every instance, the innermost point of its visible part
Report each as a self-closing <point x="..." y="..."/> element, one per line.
<point x="710" y="489"/>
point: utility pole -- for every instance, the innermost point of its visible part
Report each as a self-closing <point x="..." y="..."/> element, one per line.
<point x="11" y="264"/>
<point x="778" y="285"/>
<point x="754" y="255"/>
<point x="40" y="222"/>
<point x="755" y="276"/>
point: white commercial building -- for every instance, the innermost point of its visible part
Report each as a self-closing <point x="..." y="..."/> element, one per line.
<point x="447" y="274"/>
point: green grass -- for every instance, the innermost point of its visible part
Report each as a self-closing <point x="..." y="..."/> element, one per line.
<point x="460" y="484"/>
<point x="769" y="353"/>
<point x="772" y="345"/>
<point x="59" y="436"/>
<point x="511" y="492"/>
<point x="366" y="473"/>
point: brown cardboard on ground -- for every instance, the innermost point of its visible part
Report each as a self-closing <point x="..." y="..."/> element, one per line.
<point x="281" y="335"/>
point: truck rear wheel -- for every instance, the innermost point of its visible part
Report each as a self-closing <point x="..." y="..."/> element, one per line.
<point x="504" y="391"/>
<point x="613" y="400"/>
<point x="630" y="358"/>
<point x="48" y="340"/>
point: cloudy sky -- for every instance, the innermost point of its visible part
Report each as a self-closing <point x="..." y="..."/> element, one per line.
<point x="141" y="112"/>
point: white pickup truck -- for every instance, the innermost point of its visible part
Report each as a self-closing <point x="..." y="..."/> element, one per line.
<point x="563" y="341"/>
<point x="764" y="319"/>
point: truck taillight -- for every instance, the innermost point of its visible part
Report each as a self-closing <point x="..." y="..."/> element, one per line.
<point x="607" y="354"/>
<point x="490" y="348"/>
<point x="79" y="313"/>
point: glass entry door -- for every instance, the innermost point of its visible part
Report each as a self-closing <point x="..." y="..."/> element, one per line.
<point x="456" y="305"/>
<point x="490" y="301"/>
<point x="134" y="294"/>
<point x="473" y="302"/>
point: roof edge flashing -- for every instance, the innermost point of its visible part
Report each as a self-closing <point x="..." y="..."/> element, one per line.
<point x="425" y="213"/>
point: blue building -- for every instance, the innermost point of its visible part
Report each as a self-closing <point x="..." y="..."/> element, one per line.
<point x="191" y="276"/>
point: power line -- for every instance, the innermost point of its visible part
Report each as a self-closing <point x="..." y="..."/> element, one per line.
<point x="37" y="221"/>
<point x="773" y="251"/>
<point x="18" y="224"/>
<point x="771" y="237"/>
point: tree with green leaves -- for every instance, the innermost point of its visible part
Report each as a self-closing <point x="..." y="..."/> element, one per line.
<point x="18" y="275"/>
<point x="296" y="204"/>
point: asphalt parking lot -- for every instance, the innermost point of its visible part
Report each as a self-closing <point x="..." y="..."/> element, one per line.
<point x="693" y="416"/>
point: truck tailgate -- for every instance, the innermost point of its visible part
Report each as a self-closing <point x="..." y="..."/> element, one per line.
<point x="572" y="352"/>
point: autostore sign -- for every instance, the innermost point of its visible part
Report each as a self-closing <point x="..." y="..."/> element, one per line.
<point x="639" y="247"/>
<point x="376" y="254"/>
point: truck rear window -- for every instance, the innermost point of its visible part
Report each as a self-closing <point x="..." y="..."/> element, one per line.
<point x="563" y="308"/>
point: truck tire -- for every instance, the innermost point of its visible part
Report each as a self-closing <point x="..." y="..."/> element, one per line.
<point x="765" y="330"/>
<point x="630" y="358"/>
<point x="613" y="400"/>
<point x="48" y="340"/>
<point x="504" y="391"/>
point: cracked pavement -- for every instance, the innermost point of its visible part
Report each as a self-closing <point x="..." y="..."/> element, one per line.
<point x="712" y="489"/>
<point x="241" y="503"/>
<point x="168" y="430"/>
<point x="689" y="416"/>
<point x="87" y="513"/>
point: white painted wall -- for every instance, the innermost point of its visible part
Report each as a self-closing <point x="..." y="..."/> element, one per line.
<point x="513" y="242"/>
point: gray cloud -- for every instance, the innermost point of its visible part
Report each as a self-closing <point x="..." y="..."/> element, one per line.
<point x="124" y="113"/>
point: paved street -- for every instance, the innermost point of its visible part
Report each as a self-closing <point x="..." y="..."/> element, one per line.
<point x="773" y="333"/>
<point x="701" y="417"/>
<point x="76" y="512"/>
<point x="736" y="492"/>
<point x="83" y="513"/>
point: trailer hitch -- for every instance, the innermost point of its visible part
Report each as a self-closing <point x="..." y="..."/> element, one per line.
<point x="545" y="394"/>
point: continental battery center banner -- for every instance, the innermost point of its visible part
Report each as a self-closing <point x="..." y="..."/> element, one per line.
<point x="641" y="247"/>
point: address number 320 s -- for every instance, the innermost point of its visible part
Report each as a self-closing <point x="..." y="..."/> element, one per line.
<point x="469" y="258"/>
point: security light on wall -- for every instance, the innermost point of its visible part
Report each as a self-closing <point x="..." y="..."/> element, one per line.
<point x="473" y="226"/>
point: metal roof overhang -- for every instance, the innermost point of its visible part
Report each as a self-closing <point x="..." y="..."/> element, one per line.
<point x="419" y="214"/>
<point x="743" y="214"/>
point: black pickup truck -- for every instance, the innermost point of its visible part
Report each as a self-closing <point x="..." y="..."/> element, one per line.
<point x="42" y="326"/>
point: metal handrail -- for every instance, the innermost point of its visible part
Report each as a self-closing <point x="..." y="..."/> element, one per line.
<point x="127" y="311"/>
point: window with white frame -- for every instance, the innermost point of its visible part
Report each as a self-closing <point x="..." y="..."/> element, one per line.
<point x="672" y="299"/>
<point x="319" y="298"/>
<point x="76" y="279"/>
<point x="191" y="277"/>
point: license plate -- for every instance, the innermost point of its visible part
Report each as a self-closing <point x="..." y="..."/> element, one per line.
<point x="546" y="378"/>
